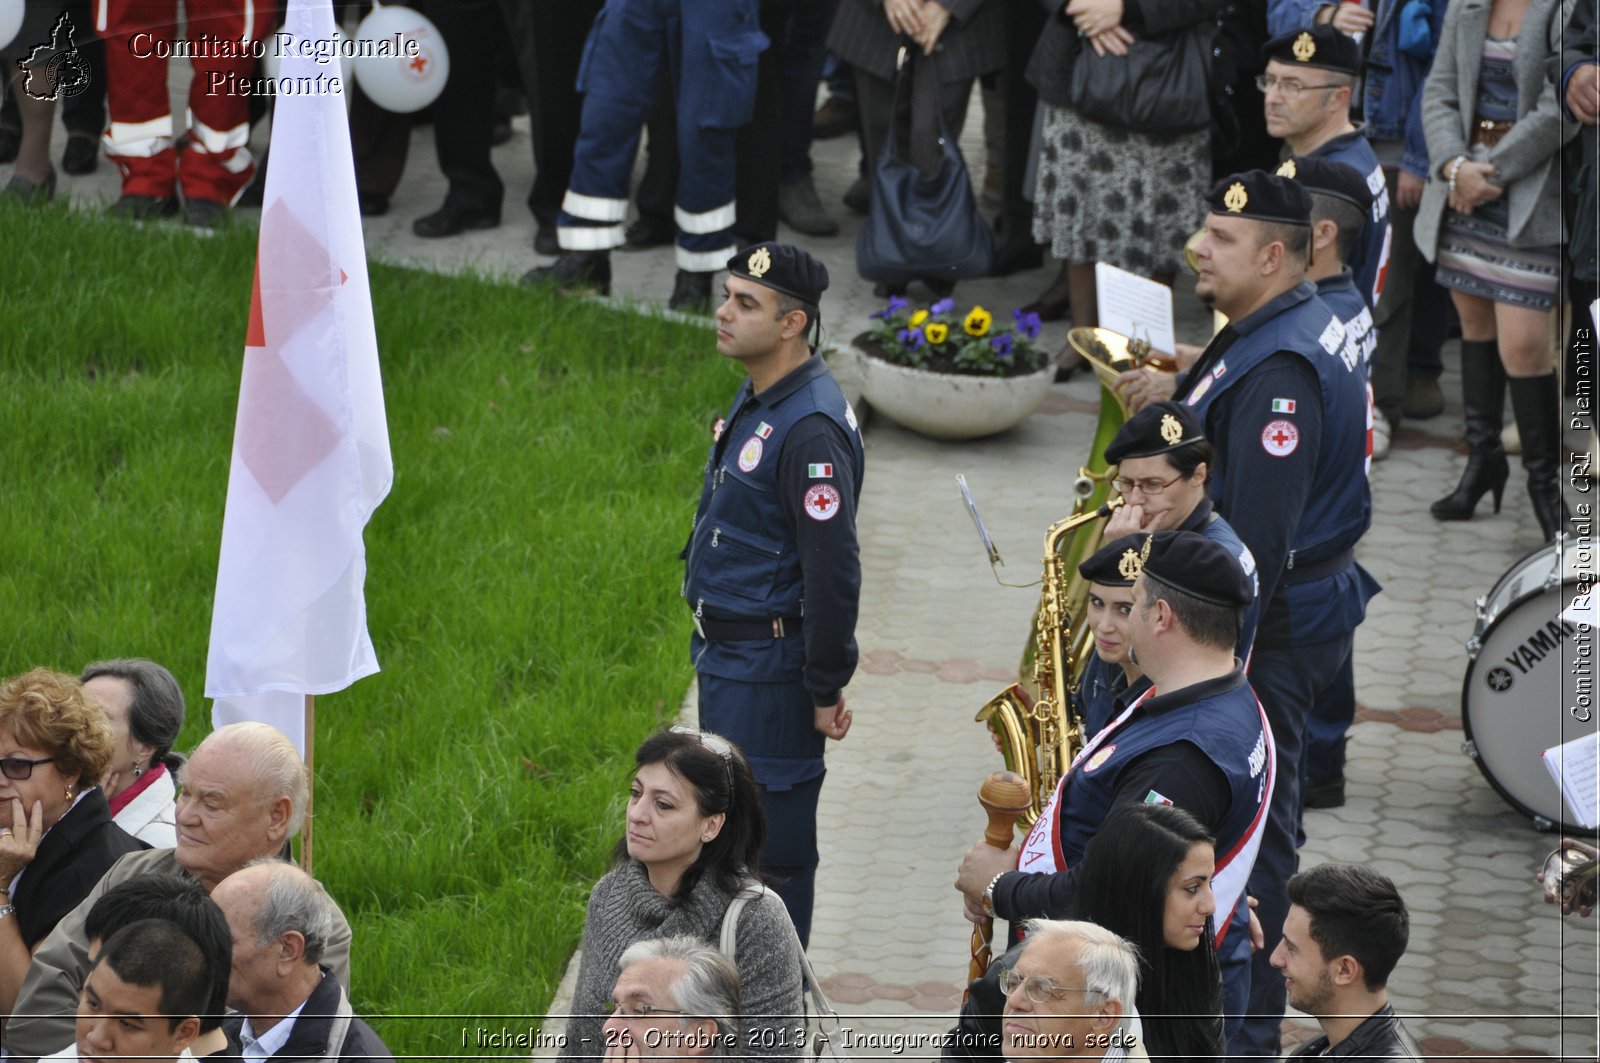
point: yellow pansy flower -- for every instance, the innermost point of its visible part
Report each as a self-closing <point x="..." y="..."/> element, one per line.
<point x="978" y="322"/>
<point x="918" y="318"/>
<point x="937" y="333"/>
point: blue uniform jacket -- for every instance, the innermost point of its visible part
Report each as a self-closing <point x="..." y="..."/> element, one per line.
<point x="1368" y="257"/>
<point x="775" y="536"/>
<point x="1282" y="407"/>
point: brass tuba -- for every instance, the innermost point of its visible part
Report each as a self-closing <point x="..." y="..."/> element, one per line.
<point x="1035" y="724"/>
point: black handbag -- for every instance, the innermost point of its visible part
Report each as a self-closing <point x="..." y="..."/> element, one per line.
<point x="1160" y="87"/>
<point x="922" y="226"/>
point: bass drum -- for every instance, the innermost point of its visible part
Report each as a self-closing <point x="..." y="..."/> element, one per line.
<point x="1530" y="680"/>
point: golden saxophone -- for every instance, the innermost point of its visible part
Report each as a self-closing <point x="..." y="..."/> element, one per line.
<point x="1035" y="723"/>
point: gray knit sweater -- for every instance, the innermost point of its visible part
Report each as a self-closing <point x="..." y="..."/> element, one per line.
<point x="625" y="908"/>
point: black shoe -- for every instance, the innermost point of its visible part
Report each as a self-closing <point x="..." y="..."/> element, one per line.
<point x="1483" y="398"/>
<point x="31" y="191"/>
<point x="834" y="118"/>
<point x="82" y="153"/>
<point x="372" y="205"/>
<point x="691" y="292"/>
<point x="545" y="241"/>
<point x="205" y="213"/>
<point x="451" y="221"/>
<point x="1328" y="794"/>
<point x="858" y="197"/>
<point x="1009" y="260"/>
<point x="10" y="143"/>
<point x="575" y="273"/>
<point x="647" y="233"/>
<point x="943" y="287"/>
<point x="1054" y="303"/>
<point x="883" y="289"/>
<point x="801" y="210"/>
<point x="143" y="208"/>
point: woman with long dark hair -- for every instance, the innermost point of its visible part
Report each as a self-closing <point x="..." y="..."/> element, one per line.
<point x="1147" y="877"/>
<point x="692" y="844"/>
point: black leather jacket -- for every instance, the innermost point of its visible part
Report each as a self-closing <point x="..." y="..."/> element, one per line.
<point x="1380" y="1037"/>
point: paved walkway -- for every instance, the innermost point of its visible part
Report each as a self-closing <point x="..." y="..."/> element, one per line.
<point x="1490" y="969"/>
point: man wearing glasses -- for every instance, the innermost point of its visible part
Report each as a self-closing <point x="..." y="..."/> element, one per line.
<point x="675" y="998"/>
<point x="1070" y="995"/>
<point x="1310" y="77"/>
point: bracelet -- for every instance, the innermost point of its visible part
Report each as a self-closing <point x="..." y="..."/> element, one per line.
<point x="7" y="909"/>
<point x="1455" y="168"/>
<point x="988" y="896"/>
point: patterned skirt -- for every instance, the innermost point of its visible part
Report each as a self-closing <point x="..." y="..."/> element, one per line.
<point x="1476" y="258"/>
<point x="1109" y="195"/>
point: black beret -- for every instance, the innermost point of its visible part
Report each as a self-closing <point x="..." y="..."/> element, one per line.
<point x="1156" y="429"/>
<point x="783" y="268"/>
<point x="1117" y="563"/>
<point x="1320" y="46"/>
<point x="1199" y="567"/>
<point x="1328" y="178"/>
<point x="1261" y="196"/>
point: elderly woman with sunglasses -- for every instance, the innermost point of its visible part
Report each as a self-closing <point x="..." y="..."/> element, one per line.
<point x="694" y="832"/>
<point x="56" y="834"/>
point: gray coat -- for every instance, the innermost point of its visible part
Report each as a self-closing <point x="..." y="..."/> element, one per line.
<point x="1528" y="158"/>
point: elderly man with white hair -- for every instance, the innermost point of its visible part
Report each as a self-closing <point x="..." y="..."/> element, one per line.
<point x="245" y="794"/>
<point x="675" y="998"/>
<point x="1070" y="995"/>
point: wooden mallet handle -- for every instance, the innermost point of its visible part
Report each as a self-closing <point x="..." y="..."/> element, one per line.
<point x="1004" y="796"/>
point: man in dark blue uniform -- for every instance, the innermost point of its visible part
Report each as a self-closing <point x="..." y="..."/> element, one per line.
<point x="1288" y="417"/>
<point x="773" y="572"/>
<point x="1198" y="740"/>
<point x="1341" y="203"/>
<point x="1311" y="75"/>
<point x="703" y="53"/>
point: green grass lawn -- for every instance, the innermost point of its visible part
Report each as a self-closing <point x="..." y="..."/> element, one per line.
<point x="522" y="586"/>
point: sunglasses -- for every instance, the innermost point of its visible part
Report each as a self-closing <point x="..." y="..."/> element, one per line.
<point x="714" y="742"/>
<point x="20" y="769"/>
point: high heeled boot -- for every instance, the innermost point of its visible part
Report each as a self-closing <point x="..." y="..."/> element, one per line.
<point x="1536" y="404"/>
<point x="1483" y="399"/>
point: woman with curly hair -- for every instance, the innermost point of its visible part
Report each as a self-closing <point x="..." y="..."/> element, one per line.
<point x="56" y="834"/>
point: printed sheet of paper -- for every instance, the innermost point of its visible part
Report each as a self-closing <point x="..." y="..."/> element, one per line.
<point x="1576" y="768"/>
<point x="1135" y="306"/>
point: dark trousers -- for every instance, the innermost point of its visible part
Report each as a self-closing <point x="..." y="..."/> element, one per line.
<point x="802" y="50"/>
<point x="773" y="724"/>
<point x="1024" y="23"/>
<point x="1288" y="680"/>
<point x="1412" y="315"/>
<point x="548" y="38"/>
<point x="1326" y="727"/>
<point x="920" y="145"/>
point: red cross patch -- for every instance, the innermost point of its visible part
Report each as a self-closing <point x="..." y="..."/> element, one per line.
<point x="822" y="501"/>
<point x="1280" y="438"/>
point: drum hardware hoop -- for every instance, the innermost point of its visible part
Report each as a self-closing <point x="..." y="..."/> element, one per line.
<point x="1470" y="748"/>
<point x="1474" y="647"/>
<point x="1542" y="824"/>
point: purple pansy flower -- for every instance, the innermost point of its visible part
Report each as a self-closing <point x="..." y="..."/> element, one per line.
<point x="911" y="337"/>
<point x="1001" y="342"/>
<point x="943" y="306"/>
<point x="896" y="305"/>
<point x="1027" y="323"/>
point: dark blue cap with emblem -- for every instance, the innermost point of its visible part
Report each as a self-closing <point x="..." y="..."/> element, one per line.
<point x="1158" y="428"/>
<point x="1197" y="566"/>
<point x="1116" y="564"/>
<point x="1320" y="46"/>
<point x="783" y="268"/>
<point x="1261" y="196"/>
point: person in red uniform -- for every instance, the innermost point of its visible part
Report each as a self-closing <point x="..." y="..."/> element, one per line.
<point x="215" y="164"/>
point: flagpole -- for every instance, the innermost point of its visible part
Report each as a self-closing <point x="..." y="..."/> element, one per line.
<point x="311" y="781"/>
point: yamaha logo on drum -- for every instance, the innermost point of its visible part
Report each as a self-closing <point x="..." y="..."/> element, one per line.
<point x="1533" y="650"/>
<point x="1499" y="680"/>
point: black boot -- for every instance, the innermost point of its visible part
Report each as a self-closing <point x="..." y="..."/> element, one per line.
<point x="575" y="273"/>
<point x="1483" y="399"/>
<point x="1536" y="405"/>
<point x="691" y="292"/>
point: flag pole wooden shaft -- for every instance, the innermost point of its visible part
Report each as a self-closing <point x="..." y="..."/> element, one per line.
<point x="311" y="782"/>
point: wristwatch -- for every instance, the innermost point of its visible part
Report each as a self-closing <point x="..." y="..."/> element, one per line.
<point x="988" y="896"/>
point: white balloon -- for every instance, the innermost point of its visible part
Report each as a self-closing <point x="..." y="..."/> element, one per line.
<point x="399" y="81"/>
<point x="10" y="20"/>
<point x="272" y="62"/>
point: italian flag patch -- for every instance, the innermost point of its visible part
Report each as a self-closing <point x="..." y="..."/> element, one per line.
<point x="823" y="471"/>
<point x="1282" y="405"/>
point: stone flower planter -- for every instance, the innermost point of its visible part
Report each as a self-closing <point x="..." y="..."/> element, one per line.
<point x="950" y="405"/>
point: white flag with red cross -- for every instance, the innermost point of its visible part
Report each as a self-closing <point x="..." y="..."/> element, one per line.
<point x="311" y="445"/>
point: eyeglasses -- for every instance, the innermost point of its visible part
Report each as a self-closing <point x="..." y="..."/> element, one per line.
<point x="20" y="768"/>
<point x="714" y="742"/>
<point x="1290" y="90"/>
<point x="638" y="1011"/>
<point x="1148" y="486"/>
<point x="1039" y="988"/>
